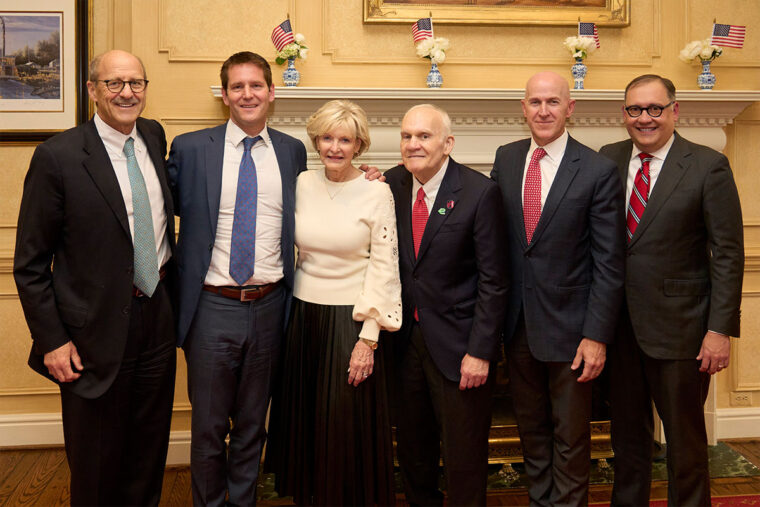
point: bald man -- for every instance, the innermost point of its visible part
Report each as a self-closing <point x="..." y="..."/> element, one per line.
<point x="96" y="204"/>
<point x="565" y="229"/>
<point x="454" y="285"/>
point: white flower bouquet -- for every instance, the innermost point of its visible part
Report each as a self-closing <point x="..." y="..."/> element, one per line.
<point x="701" y="49"/>
<point x="580" y="47"/>
<point x="433" y="49"/>
<point x="296" y="49"/>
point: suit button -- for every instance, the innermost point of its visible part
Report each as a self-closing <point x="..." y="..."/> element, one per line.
<point x="211" y="247"/>
<point x="125" y="310"/>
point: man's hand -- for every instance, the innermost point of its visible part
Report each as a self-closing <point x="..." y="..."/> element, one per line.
<point x="715" y="352"/>
<point x="58" y="363"/>
<point x="474" y="372"/>
<point x="593" y="354"/>
<point x="372" y="173"/>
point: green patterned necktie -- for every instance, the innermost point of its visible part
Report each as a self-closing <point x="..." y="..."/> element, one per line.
<point x="146" y="261"/>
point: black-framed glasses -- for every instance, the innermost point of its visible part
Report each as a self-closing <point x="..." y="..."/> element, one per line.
<point x="654" y="111"/>
<point x="117" y="85"/>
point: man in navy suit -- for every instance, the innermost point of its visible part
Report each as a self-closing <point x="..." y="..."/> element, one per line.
<point x="684" y="269"/>
<point x="454" y="286"/>
<point x="93" y="267"/>
<point x="564" y="210"/>
<point x="235" y="192"/>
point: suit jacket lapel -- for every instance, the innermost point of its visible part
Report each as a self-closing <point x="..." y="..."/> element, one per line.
<point x="154" y="151"/>
<point x="214" y="160"/>
<point x="513" y="184"/>
<point x="673" y="169"/>
<point x="566" y="172"/>
<point x="287" y="165"/>
<point x="450" y="185"/>
<point x="404" y="217"/>
<point x="98" y="165"/>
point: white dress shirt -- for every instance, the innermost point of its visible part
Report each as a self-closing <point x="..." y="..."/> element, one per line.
<point x="268" y="255"/>
<point x="655" y="166"/>
<point x="431" y="187"/>
<point x="114" y="142"/>
<point x="549" y="164"/>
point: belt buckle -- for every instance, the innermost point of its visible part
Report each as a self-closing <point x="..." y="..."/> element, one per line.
<point x="250" y="294"/>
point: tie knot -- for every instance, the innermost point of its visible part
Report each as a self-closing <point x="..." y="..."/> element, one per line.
<point x="129" y="148"/>
<point x="248" y="142"/>
<point x="421" y="194"/>
<point x="538" y="154"/>
<point x="645" y="157"/>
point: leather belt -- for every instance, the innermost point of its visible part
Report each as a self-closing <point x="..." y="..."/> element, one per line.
<point x="251" y="293"/>
<point x="139" y="294"/>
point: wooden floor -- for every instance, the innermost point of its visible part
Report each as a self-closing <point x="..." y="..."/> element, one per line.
<point x="39" y="477"/>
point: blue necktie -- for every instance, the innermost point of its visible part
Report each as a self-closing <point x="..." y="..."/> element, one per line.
<point x="243" y="248"/>
<point x="146" y="275"/>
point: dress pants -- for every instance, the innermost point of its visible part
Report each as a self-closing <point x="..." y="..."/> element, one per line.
<point x="679" y="391"/>
<point x="434" y="416"/>
<point x="232" y="351"/>
<point x="553" y="412"/>
<point x="116" y="444"/>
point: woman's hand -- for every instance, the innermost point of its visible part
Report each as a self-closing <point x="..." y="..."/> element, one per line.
<point x="362" y="361"/>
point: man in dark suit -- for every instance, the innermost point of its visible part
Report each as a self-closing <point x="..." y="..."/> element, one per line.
<point x="684" y="267"/>
<point x="235" y="192"/>
<point x="95" y="233"/>
<point x="565" y="235"/>
<point x="454" y="286"/>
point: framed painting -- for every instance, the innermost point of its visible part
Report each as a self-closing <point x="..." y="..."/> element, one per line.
<point x="500" y="12"/>
<point x="44" y="52"/>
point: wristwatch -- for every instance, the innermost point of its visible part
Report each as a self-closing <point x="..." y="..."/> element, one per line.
<point x="369" y="343"/>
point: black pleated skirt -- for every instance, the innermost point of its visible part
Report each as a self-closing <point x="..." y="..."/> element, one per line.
<point x="329" y="442"/>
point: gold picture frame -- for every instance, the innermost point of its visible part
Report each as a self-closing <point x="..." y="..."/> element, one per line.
<point x="500" y="12"/>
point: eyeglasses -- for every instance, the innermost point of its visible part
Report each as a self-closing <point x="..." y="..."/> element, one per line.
<point x="117" y="85"/>
<point x="654" y="111"/>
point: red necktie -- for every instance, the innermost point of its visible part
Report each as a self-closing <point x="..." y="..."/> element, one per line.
<point x="532" y="193"/>
<point x="639" y="196"/>
<point x="419" y="219"/>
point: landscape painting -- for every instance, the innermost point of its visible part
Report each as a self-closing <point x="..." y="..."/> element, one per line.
<point x="31" y="61"/>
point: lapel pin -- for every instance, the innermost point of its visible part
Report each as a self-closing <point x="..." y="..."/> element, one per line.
<point x="450" y="204"/>
<point x="441" y="211"/>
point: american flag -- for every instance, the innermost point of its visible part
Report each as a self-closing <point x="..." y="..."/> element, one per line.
<point x="728" y="36"/>
<point x="282" y="35"/>
<point x="422" y="29"/>
<point x="588" y="30"/>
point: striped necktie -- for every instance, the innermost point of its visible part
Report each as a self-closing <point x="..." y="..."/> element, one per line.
<point x="243" y="246"/>
<point x="419" y="220"/>
<point x="146" y="275"/>
<point x="639" y="196"/>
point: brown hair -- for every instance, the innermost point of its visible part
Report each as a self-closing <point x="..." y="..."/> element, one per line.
<point x="648" y="78"/>
<point x="246" y="57"/>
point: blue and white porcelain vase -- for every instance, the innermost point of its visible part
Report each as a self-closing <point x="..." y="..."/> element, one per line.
<point x="291" y="76"/>
<point x="706" y="80"/>
<point x="579" y="70"/>
<point x="434" y="77"/>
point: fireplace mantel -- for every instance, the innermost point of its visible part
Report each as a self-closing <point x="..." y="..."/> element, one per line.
<point x="485" y="118"/>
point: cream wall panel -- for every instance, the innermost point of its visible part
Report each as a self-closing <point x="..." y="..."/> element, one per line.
<point x="745" y="373"/>
<point x="699" y="23"/>
<point x="240" y="24"/>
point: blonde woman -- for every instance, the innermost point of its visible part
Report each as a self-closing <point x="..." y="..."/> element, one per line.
<point x="330" y="440"/>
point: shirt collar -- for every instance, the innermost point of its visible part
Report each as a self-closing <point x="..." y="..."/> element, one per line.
<point x="112" y="138"/>
<point x="555" y="150"/>
<point x="434" y="183"/>
<point x="658" y="154"/>
<point x="235" y="135"/>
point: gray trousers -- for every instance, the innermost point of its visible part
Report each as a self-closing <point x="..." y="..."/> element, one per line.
<point x="232" y="351"/>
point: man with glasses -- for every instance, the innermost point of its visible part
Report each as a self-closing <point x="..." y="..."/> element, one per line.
<point x="94" y="241"/>
<point x="684" y="267"/>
